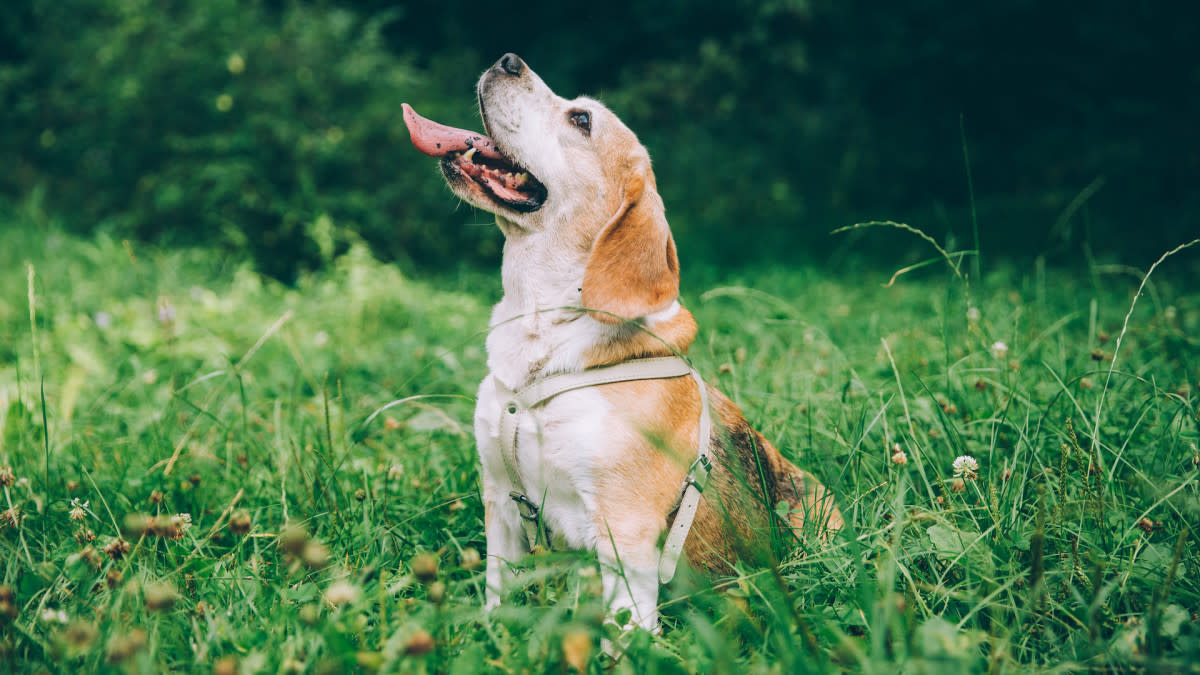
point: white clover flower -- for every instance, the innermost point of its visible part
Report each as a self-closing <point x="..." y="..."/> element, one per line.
<point x="341" y="592"/>
<point x="973" y="314"/>
<point x="395" y="471"/>
<point x="965" y="466"/>
<point x="999" y="350"/>
<point x="54" y="616"/>
<point x="78" y="509"/>
<point x="166" y="311"/>
<point x="103" y="320"/>
<point x="185" y="521"/>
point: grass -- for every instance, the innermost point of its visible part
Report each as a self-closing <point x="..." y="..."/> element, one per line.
<point x="327" y="531"/>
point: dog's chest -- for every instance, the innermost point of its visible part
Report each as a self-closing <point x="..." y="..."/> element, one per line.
<point x="557" y="452"/>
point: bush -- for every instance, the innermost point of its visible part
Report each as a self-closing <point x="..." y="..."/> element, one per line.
<point x="272" y="131"/>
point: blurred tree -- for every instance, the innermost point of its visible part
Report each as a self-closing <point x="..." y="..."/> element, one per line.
<point x="275" y="132"/>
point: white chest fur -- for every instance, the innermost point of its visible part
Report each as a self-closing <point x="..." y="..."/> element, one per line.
<point x="560" y="446"/>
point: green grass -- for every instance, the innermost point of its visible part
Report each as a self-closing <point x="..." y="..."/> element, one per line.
<point x="324" y="536"/>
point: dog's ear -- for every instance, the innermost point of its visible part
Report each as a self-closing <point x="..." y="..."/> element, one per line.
<point x="633" y="269"/>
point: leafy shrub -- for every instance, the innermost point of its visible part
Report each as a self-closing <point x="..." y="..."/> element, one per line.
<point x="273" y="131"/>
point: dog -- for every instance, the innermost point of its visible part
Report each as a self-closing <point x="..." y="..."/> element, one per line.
<point x="591" y="282"/>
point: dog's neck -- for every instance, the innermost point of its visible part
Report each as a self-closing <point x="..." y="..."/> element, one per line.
<point x="539" y="327"/>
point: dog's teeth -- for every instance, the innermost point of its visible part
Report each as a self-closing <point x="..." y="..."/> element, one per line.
<point x="468" y="154"/>
<point x="521" y="178"/>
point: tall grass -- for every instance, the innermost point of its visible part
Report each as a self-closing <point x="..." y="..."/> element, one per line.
<point x="318" y="439"/>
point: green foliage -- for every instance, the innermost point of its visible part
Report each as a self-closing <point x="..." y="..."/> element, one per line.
<point x="272" y="128"/>
<point x="319" y="438"/>
<point x="270" y="131"/>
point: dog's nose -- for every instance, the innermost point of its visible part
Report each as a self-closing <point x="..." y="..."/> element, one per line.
<point x="511" y="64"/>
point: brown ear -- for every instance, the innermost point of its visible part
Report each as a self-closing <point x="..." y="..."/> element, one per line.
<point x="633" y="269"/>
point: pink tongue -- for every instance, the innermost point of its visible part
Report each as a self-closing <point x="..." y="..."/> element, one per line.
<point x="439" y="140"/>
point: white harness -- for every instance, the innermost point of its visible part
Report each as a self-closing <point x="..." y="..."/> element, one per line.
<point x="521" y="402"/>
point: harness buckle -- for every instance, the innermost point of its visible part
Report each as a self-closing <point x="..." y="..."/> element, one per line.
<point x="529" y="510"/>
<point x="698" y="473"/>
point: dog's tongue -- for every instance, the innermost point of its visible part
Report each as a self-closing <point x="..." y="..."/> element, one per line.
<point x="439" y="140"/>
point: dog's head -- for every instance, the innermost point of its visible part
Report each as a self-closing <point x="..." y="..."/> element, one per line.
<point x="568" y="170"/>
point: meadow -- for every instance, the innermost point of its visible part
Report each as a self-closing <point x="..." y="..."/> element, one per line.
<point x="205" y="470"/>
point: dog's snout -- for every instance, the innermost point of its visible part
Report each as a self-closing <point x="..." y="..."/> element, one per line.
<point x="511" y="64"/>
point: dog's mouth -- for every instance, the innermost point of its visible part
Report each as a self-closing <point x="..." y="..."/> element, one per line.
<point x="475" y="157"/>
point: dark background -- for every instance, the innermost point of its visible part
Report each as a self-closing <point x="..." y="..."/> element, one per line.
<point x="771" y="123"/>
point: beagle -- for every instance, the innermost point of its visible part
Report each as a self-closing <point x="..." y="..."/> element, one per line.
<point x="606" y="461"/>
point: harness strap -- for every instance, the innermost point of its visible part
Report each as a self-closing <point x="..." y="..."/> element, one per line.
<point x="517" y="403"/>
<point x="693" y="485"/>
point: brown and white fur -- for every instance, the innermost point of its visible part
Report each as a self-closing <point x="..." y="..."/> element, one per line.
<point x="590" y="278"/>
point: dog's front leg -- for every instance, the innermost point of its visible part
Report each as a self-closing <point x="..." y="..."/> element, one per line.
<point x="506" y="543"/>
<point x="629" y="572"/>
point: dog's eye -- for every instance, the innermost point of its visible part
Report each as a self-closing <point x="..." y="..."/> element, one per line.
<point x="581" y="119"/>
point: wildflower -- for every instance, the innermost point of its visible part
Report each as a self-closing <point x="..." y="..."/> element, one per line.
<point x="78" y="509"/>
<point x="226" y="665"/>
<point x="175" y="526"/>
<point x="7" y="478"/>
<point x="898" y="456"/>
<point x="341" y="592"/>
<point x="160" y="596"/>
<point x="437" y="592"/>
<point x="958" y="485"/>
<point x="973" y="314"/>
<point x="166" y="311"/>
<point x="122" y="646"/>
<point x="999" y="350"/>
<point x="8" y="608"/>
<point x="12" y="517"/>
<point x="577" y="649"/>
<point x="470" y="558"/>
<point x="314" y="555"/>
<point x="293" y="538"/>
<point x="79" y="635"/>
<point x="103" y="320"/>
<point x="1085" y="383"/>
<point x="395" y="471"/>
<point x="425" y="566"/>
<point x="54" y="616"/>
<point x="321" y="338"/>
<point x="240" y="523"/>
<point x="965" y="466"/>
<point x="419" y="643"/>
<point x="117" y="548"/>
